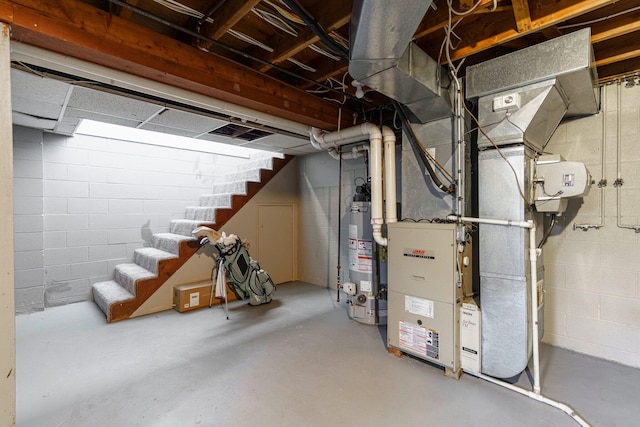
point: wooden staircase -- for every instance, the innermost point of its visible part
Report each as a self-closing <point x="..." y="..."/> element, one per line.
<point x="134" y="283"/>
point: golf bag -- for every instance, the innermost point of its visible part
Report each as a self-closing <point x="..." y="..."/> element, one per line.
<point x="249" y="280"/>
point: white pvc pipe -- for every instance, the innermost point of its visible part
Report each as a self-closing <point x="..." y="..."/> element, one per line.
<point x="348" y="155"/>
<point x="535" y="396"/>
<point x="375" y="160"/>
<point x="324" y="141"/>
<point x="534" y="252"/>
<point x="506" y="222"/>
<point x="389" y="139"/>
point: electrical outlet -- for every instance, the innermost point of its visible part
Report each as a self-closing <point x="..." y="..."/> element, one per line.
<point x="508" y="101"/>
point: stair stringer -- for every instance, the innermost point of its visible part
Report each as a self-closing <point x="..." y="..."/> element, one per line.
<point x="145" y="288"/>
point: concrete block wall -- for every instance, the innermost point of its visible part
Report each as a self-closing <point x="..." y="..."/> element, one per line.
<point x="318" y="217"/>
<point x="592" y="277"/>
<point x="84" y="204"/>
<point x="28" y="219"/>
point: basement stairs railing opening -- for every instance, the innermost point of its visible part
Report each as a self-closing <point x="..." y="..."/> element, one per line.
<point x="136" y="282"/>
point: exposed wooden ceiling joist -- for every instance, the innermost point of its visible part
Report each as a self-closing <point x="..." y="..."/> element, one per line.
<point x="269" y="77"/>
<point x="73" y="28"/>
<point x="505" y="34"/>
<point x="227" y="16"/>
<point x="331" y="19"/>
<point x="522" y="15"/>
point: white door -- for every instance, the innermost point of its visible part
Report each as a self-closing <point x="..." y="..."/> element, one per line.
<point x="276" y="241"/>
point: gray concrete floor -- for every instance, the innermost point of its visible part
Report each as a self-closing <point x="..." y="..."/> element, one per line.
<point x="298" y="361"/>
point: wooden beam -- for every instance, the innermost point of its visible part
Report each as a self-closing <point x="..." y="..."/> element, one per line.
<point x="562" y="14"/>
<point x="76" y="29"/>
<point x="336" y="71"/>
<point x="290" y="47"/>
<point x="522" y="15"/>
<point x="617" y="31"/>
<point x="437" y="20"/>
<point x="618" y="70"/>
<point x="126" y="13"/>
<point x="337" y="17"/>
<point x="551" y="32"/>
<point x="227" y="16"/>
<point x="617" y="58"/>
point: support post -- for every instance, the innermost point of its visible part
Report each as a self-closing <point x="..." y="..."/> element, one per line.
<point x="7" y="302"/>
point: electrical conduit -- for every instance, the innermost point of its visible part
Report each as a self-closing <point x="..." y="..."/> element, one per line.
<point x="619" y="181"/>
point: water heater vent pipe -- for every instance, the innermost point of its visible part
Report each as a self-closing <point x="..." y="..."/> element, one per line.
<point x="332" y="140"/>
<point x="389" y="140"/>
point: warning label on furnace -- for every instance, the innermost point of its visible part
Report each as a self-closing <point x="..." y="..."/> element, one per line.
<point x="418" y="306"/>
<point x="419" y="339"/>
<point x="433" y="344"/>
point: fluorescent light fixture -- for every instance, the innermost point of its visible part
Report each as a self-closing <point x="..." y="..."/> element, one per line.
<point x="107" y="130"/>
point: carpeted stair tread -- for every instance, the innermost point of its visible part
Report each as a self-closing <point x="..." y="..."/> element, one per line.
<point x="201" y="213"/>
<point x="184" y="227"/>
<point x="263" y="163"/>
<point x="222" y="200"/>
<point x="170" y="242"/>
<point x="128" y="274"/>
<point x="149" y="258"/>
<point x="109" y="292"/>
<point x="252" y="175"/>
<point x="260" y="162"/>
<point x="167" y="245"/>
<point x="233" y="187"/>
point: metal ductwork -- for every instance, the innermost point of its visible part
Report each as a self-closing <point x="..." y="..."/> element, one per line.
<point x="535" y="88"/>
<point x="383" y="58"/>
<point x="523" y="96"/>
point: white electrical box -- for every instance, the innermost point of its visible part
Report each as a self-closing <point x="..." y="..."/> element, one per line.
<point x="506" y="101"/>
<point x="425" y="291"/>
<point x="470" y="340"/>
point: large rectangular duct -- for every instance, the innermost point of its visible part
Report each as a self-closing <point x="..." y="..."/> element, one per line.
<point x="505" y="285"/>
<point x="523" y="96"/>
<point x="383" y="57"/>
<point x="568" y="59"/>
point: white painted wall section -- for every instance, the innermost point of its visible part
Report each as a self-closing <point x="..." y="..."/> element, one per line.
<point x="85" y="203"/>
<point x="593" y="277"/>
<point x="318" y="223"/>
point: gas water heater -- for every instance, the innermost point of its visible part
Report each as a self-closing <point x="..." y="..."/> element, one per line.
<point x="366" y="301"/>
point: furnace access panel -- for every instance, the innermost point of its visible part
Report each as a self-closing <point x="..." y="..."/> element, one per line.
<point x="423" y="293"/>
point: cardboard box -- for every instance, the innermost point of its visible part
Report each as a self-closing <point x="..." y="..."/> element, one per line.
<point x="191" y="297"/>
<point x="470" y="336"/>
